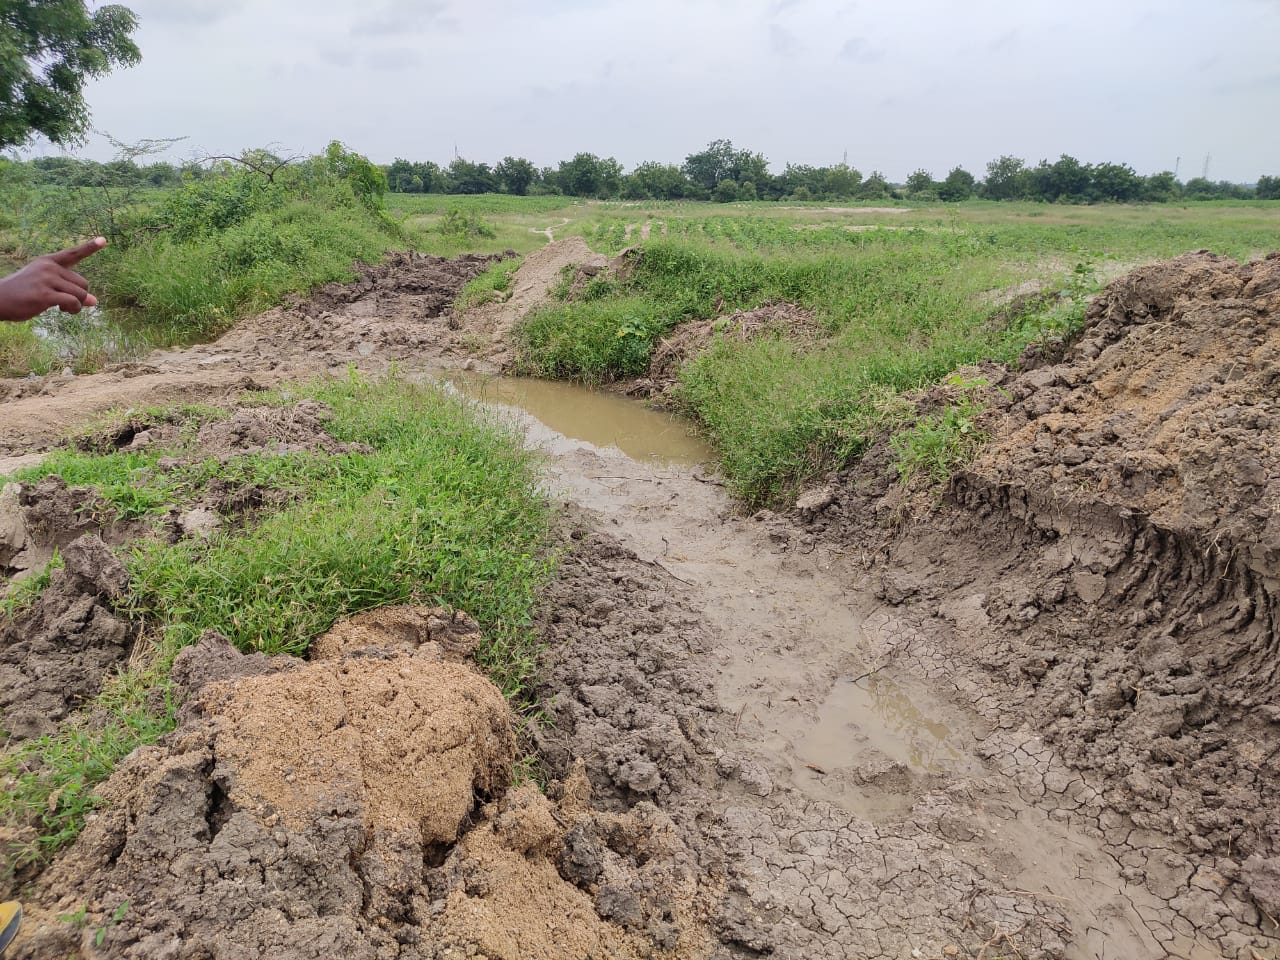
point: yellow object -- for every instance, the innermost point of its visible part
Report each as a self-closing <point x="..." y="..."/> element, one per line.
<point x="10" y="920"/>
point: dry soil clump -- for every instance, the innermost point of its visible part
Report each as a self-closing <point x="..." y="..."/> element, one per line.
<point x="355" y="806"/>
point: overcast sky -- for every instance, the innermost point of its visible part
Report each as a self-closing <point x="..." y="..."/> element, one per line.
<point x="899" y="84"/>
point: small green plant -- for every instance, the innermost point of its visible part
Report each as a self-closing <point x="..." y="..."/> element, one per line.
<point x="469" y="225"/>
<point x="941" y="443"/>
<point x="117" y="915"/>
<point x="488" y="287"/>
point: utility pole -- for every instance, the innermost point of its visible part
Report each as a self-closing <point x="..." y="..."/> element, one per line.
<point x="1205" y="173"/>
<point x="1176" y="167"/>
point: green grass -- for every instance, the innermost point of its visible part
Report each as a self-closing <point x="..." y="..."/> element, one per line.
<point x="200" y="285"/>
<point x="445" y="510"/>
<point x="490" y="286"/>
<point x="905" y="298"/>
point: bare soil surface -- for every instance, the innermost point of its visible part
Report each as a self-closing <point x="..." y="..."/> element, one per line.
<point x="1034" y="720"/>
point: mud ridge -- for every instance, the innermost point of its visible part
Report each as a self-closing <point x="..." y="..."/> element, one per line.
<point x="357" y="806"/>
<point x="1107" y="571"/>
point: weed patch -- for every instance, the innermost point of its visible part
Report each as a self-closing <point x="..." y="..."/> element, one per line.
<point x="492" y="285"/>
<point x="444" y="509"/>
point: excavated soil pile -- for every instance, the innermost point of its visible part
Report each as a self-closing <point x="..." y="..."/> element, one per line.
<point x="689" y="339"/>
<point x="55" y="653"/>
<point x="1109" y="569"/>
<point x="357" y="806"/>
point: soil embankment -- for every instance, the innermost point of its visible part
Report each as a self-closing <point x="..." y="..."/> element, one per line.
<point x="1037" y="722"/>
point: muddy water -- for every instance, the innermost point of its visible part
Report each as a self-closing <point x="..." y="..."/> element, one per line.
<point x="593" y="416"/>
<point x="806" y="676"/>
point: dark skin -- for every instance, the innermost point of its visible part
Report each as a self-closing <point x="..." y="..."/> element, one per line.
<point x="49" y="281"/>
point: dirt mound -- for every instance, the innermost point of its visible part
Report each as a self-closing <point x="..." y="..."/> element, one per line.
<point x="337" y="808"/>
<point x="405" y="283"/>
<point x="38" y="519"/>
<point x="1108" y="569"/>
<point x="489" y="325"/>
<point x="447" y="635"/>
<point x="689" y="339"/>
<point x="56" y="652"/>
<point x="297" y="428"/>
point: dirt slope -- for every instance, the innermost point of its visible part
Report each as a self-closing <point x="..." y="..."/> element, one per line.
<point x="1105" y="575"/>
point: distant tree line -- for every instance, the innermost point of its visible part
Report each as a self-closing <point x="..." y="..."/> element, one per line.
<point x="721" y="172"/>
<point x="725" y="173"/>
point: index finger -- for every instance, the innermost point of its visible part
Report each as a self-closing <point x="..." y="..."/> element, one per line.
<point x="73" y="255"/>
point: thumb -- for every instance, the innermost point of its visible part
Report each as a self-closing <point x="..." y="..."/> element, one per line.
<point x="73" y="255"/>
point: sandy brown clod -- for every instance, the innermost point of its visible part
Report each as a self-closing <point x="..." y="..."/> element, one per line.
<point x="408" y="741"/>
<point x="306" y="810"/>
<point x="434" y="632"/>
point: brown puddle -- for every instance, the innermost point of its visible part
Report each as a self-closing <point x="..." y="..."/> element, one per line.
<point x="876" y="746"/>
<point x="878" y="714"/>
<point x="594" y="416"/>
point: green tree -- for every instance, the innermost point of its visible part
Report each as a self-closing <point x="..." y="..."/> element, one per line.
<point x="400" y="177"/>
<point x="1006" y="179"/>
<point x="656" y="181"/>
<point x="840" y="181"/>
<point x="48" y="49"/>
<point x="1117" y="182"/>
<point x="726" y="190"/>
<point x="587" y="175"/>
<point x="1268" y="188"/>
<point x="958" y="186"/>
<point x="1160" y="187"/>
<point x="463" y="176"/>
<point x="875" y="187"/>
<point x="920" y="185"/>
<point x="515" y="175"/>
<point x="722" y="161"/>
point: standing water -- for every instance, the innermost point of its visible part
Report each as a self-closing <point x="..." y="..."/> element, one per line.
<point x="595" y="416"/>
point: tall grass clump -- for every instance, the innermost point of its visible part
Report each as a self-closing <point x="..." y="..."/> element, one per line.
<point x="236" y="241"/>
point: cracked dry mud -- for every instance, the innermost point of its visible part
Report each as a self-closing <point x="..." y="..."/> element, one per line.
<point x="847" y="730"/>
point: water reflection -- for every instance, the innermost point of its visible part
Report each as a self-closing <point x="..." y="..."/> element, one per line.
<point x="595" y="416"/>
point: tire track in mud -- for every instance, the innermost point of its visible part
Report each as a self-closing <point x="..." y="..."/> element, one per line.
<point x="876" y="818"/>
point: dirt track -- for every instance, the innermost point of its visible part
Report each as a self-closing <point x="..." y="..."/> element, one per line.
<point x="867" y="741"/>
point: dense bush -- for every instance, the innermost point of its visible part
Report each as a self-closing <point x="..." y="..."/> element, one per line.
<point x="238" y="240"/>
